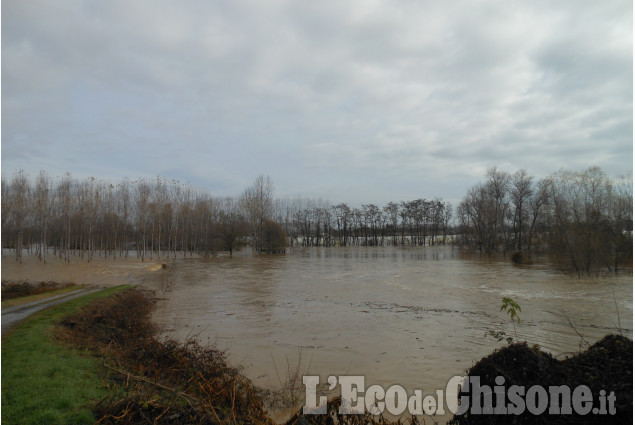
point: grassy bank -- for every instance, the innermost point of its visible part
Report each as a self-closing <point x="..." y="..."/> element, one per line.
<point x="96" y="358"/>
<point x="158" y="381"/>
<point x="45" y="381"/>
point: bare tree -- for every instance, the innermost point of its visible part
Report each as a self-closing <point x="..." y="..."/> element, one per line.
<point x="257" y="201"/>
<point x="520" y="193"/>
<point x="232" y="223"/>
<point x="19" y="203"/>
<point x="498" y="189"/>
<point x="342" y="220"/>
<point x="391" y="212"/>
<point x="582" y="209"/>
<point x="65" y="201"/>
<point x="583" y="218"/>
<point x="142" y="207"/>
<point x="125" y="206"/>
<point x="537" y="204"/>
<point x="447" y="218"/>
<point x="42" y="211"/>
<point x="6" y="205"/>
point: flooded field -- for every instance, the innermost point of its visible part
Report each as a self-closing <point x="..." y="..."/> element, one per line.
<point x="410" y="316"/>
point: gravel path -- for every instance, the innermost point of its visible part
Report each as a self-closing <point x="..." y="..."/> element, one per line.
<point x="12" y="315"/>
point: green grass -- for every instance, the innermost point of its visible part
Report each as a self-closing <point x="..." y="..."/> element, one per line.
<point x="45" y="381"/>
<point x="27" y="299"/>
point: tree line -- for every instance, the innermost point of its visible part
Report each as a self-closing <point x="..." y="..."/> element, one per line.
<point x="583" y="219"/>
<point x="160" y="217"/>
<point x="318" y="223"/>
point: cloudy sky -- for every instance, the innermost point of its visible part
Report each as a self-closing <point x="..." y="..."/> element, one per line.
<point x="360" y="101"/>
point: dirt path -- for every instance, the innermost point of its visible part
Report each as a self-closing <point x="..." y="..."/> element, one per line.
<point x="97" y="274"/>
<point x="12" y="315"/>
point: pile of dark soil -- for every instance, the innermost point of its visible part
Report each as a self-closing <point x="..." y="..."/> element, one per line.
<point x="159" y="382"/>
<point x="605" y="366"/>
<point x="12" y="290"/>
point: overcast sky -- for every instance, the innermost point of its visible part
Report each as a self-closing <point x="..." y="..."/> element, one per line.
<point x="359" y="101"/>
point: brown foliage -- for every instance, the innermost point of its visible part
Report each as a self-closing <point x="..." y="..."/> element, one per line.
<point x="121" y="322"/>
<point x="159" y="382"/>
<point x="12" y="290"/>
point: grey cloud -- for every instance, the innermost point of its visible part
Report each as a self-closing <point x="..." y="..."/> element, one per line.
<point x="319" y="95"/>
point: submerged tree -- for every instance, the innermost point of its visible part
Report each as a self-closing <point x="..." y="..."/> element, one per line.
<point x="590" y="220"/>
<point x="584" y="219"/>
<point x="274" y="238"/>
<point x="257" y="202"/>
<point x="579" y="217"/>
<point x="232" y="224"/>
<point x="521" y="192"/>
<point x="16" y="197"/>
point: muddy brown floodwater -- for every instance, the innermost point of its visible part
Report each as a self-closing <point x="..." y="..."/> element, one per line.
<point x="409" y="316"/>
<point x="101" y="272"/>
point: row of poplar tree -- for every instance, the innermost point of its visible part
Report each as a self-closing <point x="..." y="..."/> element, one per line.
<point x="584" y="219"/>
<point x="160" y="217"/>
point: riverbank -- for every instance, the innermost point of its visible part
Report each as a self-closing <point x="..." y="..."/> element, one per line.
<point x="98" y="359"/>
<point x="153" y="380"/>
<point x="44" y="381"/>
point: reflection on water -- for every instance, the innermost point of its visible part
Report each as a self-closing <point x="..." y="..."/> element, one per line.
<point x="412" y="316"/>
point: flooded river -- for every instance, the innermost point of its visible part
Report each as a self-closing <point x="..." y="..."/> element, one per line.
<point x="410" y="316"/>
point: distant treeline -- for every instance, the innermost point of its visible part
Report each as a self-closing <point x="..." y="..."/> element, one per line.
<point x="583" y="219"/>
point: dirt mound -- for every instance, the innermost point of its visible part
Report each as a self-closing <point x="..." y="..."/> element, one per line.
<point x="606" y="366"/>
